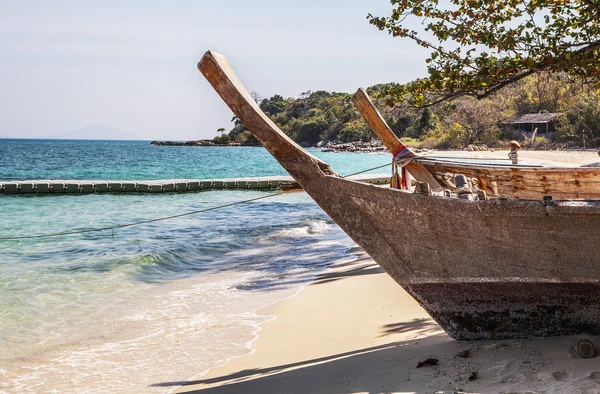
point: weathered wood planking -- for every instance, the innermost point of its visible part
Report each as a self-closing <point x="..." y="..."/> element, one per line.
<point x="482" y="269"/>
<point x="367" y="109"/>
<point x="532" y="183"/>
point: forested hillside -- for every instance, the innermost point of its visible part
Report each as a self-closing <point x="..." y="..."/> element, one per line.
<point x="317" y="117"/>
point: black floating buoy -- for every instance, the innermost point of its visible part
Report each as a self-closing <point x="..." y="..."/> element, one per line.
<point x="586" y="349"/>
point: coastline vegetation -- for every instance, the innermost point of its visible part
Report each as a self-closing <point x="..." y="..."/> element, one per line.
<point x="315" y="118"/>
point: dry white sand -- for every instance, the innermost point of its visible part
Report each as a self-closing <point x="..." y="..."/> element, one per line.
<point x="354" y="330"/>
<point x="550" y="158"/>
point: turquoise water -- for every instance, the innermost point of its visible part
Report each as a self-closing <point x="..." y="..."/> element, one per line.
<point x="87" y="312"/>
<point x="138" y="160"/>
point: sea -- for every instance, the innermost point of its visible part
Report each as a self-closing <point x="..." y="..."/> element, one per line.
<point x="144" y="309"/>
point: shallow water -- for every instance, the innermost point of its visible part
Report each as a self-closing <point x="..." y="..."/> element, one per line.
<point x="142" y="308"/>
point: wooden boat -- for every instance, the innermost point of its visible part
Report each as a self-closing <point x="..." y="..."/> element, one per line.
<point x="514" y="181"/>
<point x="482" y="269"/>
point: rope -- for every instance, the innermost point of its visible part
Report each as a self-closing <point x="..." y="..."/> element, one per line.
<point x="138" y="223"/>
<point x="158" y="219"/>
<point x="370" y="169"/>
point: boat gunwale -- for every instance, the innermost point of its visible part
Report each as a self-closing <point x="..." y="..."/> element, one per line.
<point x="512" y="202"/>
<point x="474" y="166"/>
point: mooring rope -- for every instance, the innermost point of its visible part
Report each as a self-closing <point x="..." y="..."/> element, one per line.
<point x="370" y="169"/>
<point x="91" y="230"/>
<point x="138" y="223"/>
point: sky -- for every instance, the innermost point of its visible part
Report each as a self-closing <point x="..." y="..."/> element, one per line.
<point x="132" y="64"/>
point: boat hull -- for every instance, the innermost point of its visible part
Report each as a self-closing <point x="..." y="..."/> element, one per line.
<point x="481" y="269"/>
<point x="500" y="310"/>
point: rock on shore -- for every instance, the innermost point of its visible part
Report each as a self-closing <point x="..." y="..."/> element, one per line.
<point x="358" y="146"/>
<point x="190" y="143"/>
<point x="332" y="146"/>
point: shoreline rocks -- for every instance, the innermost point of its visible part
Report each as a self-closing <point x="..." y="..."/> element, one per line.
<point x="476" y="148"/>
<point x="374" y="146"/>
<point x="191" y="143"/>
<point x="332" y="146"/>
<point x="357" y="146"/>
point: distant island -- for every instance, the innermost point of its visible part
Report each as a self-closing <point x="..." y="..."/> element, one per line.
<point x="96" y="132"/>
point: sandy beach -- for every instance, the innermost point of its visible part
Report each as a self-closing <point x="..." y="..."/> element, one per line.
<point x="354" y="330"/>
<point x="544" y="157"/>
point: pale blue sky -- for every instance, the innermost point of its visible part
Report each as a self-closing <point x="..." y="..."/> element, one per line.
<point x="132" y="64"/>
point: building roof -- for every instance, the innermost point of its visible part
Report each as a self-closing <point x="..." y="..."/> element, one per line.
<point x="533" y="118"/>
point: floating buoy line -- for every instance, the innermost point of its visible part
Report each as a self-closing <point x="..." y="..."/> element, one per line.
<point x="118" y="226"/>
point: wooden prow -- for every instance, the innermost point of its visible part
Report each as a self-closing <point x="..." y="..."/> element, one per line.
<point x="296" y="160"/>
<point x="367" y="109"/>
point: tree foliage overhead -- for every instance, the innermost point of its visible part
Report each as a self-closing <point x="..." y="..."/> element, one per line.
<point x="479" y="46"/>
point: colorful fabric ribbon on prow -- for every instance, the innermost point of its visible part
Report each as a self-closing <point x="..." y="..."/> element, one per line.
<point x="400" y="177"/>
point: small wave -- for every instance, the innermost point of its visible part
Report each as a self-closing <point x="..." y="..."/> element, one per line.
<point x="305" y="229"/>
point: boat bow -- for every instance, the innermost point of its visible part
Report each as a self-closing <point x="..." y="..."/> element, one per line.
<point x="481" y="269"/>
<point x="297" y="161"/>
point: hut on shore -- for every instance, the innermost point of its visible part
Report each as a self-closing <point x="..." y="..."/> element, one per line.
<point x="527" y="123"/>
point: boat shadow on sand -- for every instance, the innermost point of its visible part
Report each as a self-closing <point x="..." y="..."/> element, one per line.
<point x="513" y="366"/>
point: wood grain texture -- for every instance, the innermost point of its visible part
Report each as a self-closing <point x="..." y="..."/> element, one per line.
<point x="367" y="109"/>
<point x="532" y="183"/>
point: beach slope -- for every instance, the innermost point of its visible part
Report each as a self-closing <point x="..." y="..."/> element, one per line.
<point x="356" y="331"/>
